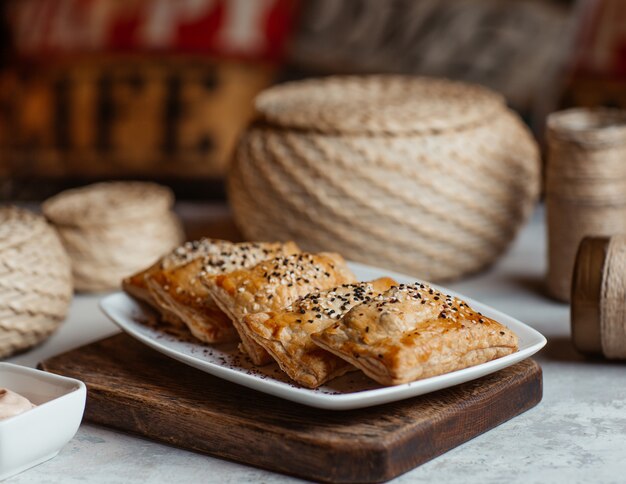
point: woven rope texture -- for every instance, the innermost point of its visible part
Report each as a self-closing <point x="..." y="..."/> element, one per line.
<point x="111" y="230"/>
<point x="35" y="280"/>
<point x="432" y="201"/>
<point x="585" y="186"/>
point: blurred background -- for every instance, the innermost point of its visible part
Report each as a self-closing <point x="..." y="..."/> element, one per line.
<point x="160" y="89"/>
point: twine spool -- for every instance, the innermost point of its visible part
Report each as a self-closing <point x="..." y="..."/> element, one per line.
<point x="599" y="297"/>
<point x="112" y="230"/>
<point x="585" y="185"/>
<point x="35" y="280"/>
<point x="419" y="175"/>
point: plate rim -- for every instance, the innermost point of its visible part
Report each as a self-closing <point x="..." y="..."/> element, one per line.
<point x="348" y="401"/>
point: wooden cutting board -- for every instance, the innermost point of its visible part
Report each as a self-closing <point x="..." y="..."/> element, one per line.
<point x="136" y="389"/>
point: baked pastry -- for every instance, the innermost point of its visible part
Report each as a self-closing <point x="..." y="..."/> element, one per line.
<point x="219" y="250"/>
<point x="137" y="284"/>
<point x="412" y="332"/>
<point x="286" y="335"/>
<point x="137" y="287"/>
<point x="177" y="289"/>
<point x="271" y="286"/>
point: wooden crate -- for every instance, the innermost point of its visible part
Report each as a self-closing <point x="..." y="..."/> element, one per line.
<point x="121" y="117"/>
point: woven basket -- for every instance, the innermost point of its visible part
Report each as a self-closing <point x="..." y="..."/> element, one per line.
<point x="112" y="230"/>
<point x="35" y="280"/>
<point x="420" y="175"/>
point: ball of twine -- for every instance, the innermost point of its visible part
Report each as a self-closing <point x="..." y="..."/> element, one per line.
<point x="112" y="230"/>
<point x="425" y="176"/>
<point x="35" y="280"/>
<point x="585" y="185"/>
<point x="613" y="300"/>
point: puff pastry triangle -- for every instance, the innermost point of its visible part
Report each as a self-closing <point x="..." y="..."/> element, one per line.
<point x="412" y="332"/>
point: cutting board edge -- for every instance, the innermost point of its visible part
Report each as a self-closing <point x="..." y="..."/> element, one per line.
<point x="387" y="458"/>
<point x="532" y="385"/>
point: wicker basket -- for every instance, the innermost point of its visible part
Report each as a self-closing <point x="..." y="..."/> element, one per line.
<point x="111" y="230"/>
<point x="419" y="175"/>
<point x="35" y="280"/>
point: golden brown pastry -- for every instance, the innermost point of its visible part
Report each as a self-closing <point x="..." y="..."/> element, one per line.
<point x="137" y="286"/>
<point x="286" y="335"/>
<point x="271" y="286"/>
<point x="177" y="289"/>
<point x="412" y="332"/>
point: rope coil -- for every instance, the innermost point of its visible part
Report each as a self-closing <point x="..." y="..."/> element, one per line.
<point x="585" y="186"/>
<point x="613" y="300"/>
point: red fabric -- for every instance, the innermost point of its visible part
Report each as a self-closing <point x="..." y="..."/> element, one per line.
<point x="257" y="29"/>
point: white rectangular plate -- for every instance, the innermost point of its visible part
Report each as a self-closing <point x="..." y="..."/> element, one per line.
<point x="353" y="390"/>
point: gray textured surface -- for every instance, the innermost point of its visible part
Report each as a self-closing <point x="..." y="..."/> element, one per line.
<point x="577" y="434"/>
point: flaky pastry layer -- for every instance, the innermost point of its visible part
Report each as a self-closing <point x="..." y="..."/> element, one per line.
<point x="412" y="332"/>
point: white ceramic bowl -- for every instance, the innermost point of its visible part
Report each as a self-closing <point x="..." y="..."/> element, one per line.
<point x="39" y="434"/>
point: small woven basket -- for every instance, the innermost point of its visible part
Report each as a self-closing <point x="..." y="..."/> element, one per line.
<point x="112" y="230"/>
<point x="35" y="280"/>
<point x="419" y="175"/>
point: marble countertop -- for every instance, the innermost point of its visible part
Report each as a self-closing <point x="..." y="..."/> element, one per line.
<point x="576" y="434"/>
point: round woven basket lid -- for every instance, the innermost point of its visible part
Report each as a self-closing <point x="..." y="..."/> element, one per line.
<point x="18" y="226"/>
<point x="377" y="104"/>
<point x="108" y="202"/>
